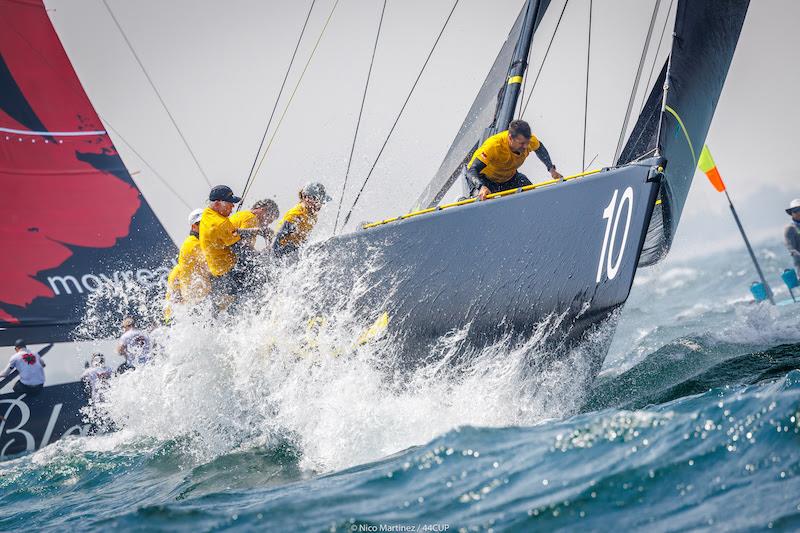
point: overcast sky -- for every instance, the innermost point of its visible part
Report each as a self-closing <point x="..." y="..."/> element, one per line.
<point x="218" y="66"/>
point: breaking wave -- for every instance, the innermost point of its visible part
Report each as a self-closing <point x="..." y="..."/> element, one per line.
<point x="279" y="371"/>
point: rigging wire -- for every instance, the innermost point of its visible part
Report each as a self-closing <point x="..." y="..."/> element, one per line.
<point x="636" y="80"/>
<point x="397" y="119"/>
<point x="277" y="100"/>
<point x="288" y="103"/>
<point x="544" y="59"/>
<point x="155" y="89"/>
<point x="586" y="90"/>
<point x="655" y="57"/>
<point x="79" y="92"/>
<point x="358" y="122"/>
<point x="148" y="165"/>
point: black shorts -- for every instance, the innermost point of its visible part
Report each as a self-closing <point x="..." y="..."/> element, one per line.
<point x="30" y="390"/>
<point x="124" y="367"/>
<point x="519" y="180"/>
<point x="229" y="284"/>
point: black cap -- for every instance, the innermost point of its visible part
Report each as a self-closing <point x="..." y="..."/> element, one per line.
<point x="223" y="193"/>
<point x="20" y="343"/>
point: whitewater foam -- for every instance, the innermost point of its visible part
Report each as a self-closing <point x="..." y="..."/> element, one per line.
<point x="283" y="372"/>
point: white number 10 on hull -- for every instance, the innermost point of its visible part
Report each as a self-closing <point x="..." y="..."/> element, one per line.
<point x="614" y="211"/>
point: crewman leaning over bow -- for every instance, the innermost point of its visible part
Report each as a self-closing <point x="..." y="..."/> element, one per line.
<point x="298" y="222"/>
<point x="218" y="236"/>
<point x="494" y="165"/>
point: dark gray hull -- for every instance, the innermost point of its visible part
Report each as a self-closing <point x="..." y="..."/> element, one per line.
<point x="503" y="265"/>
<point x="497" y="267"/>
<point x="32" y="422"/>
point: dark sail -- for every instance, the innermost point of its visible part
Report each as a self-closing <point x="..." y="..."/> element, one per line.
<point x="705" y="38"/>
<point x="74" y="218"/>
<point x="481" y="116"/>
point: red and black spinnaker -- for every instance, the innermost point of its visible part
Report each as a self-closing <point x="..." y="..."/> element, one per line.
<point x="73" y="217"/>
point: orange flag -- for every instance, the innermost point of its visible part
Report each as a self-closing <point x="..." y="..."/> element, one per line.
<point x="707" y="165"/>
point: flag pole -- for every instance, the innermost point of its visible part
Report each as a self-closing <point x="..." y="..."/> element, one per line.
<point x="707" y="165"/>
<point x="750" y="249"/>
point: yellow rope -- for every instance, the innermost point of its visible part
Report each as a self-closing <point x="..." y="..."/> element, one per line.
<point x="684" y="130"/>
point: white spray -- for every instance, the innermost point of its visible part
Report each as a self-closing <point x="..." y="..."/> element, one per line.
<point x="279" y="371"/>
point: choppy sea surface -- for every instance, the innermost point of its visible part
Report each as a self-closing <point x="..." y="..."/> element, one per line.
<point x="277" y="424"/>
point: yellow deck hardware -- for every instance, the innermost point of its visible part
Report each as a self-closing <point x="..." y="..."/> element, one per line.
<point x="488" y="197"/>
<point x="376" y="330"/>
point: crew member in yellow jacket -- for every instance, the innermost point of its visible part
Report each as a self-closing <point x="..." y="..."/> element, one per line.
<point x="298" y="222"/>
<point x="258" y="218"/>
<point x="173" y="294"/>
<point x="193" y="276"/>
<point x="188" y="281"/>
<point x="218" y="237"/>
<point x="494" y="166"/>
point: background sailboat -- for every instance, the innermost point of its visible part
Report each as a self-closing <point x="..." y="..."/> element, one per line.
<point x="78" y="221"/>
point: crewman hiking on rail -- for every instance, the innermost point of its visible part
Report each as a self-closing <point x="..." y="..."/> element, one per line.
<point x="493" y="167"/>
<point x="188" y="281"/>
<point x="29" y="367"/>
<point x="250" y="224"/>
<point x="298" y="222"/>
<point x="219" y="240"/>
<point x="134" y="345"/>
<point x="193" y="276"/>
<point x="258" y="219"/>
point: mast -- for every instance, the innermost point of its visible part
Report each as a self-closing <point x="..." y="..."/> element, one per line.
<point x="493" y="107"/>
<point x="519" y="63"/>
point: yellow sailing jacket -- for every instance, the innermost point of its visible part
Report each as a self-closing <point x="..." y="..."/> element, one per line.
<point x="301" y="222"/>
<point x="217" y="235"/>
<point x="193" y="275"/>
<point x="245" y="220"/>
<point x="173" y="294"/>
<point x="501" y="163"/>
